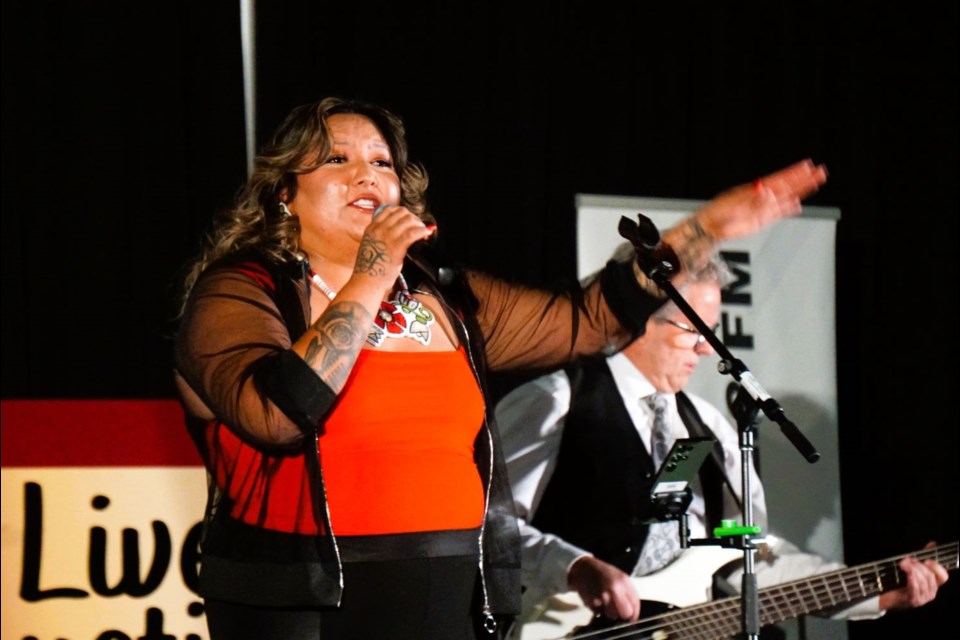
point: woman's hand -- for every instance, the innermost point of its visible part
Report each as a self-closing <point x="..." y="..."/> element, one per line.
<point x="386" y="240"/>
<point x="741" y="211"/>
<point x="747" y="208"/>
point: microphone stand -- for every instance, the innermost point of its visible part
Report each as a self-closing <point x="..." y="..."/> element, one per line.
<point x="658" y="263"/>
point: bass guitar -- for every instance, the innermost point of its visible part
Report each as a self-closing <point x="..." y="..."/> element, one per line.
<point x="686" y="581"/>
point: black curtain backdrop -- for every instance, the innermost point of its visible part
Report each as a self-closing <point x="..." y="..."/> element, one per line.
<point x="123" y="131"/>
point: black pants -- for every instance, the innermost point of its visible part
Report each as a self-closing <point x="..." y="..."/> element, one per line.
<point x="412" y="599"/>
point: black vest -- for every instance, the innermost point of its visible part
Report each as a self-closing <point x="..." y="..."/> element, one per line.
<point x="598" y="496"/>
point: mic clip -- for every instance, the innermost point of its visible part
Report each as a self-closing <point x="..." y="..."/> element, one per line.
<point x="657" y="260"/>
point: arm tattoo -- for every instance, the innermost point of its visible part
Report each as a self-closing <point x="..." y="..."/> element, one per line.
<point x="341" y="331"/>
<point x="371" y="257"/>
<point x="689" y="243"/>
<point x="694" y="245"/>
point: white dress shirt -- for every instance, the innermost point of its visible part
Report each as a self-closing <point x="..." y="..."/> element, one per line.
<point x="531" y="419"/>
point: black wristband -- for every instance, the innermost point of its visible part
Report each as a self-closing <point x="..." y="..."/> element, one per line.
<point x="295" y="388"/>
<point x="626" y="298"/>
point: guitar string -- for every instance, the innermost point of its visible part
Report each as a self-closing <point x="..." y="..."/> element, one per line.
<point x="865" y="580"/>
<point x="723" y="607"/>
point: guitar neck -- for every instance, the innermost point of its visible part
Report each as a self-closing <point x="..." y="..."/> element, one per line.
<point x="720" y="619"/>
<point x="843" y="586"/>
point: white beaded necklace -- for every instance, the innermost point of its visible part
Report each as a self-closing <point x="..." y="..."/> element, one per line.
<point x="402" y="316"/>
<point x="323" y="286"/>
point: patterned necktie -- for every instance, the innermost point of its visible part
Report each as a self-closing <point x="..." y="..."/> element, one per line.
<point x="661" y="435"/>
<point x="663" y="538"/>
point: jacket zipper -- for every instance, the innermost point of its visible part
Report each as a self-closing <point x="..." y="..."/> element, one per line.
<point x="316" y="452"/>
<point x="489" y="622"/>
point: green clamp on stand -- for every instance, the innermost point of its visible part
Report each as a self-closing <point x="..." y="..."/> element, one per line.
<point x="730" y="528"/>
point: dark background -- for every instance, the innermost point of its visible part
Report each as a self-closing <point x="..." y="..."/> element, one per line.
<point x="122" y="129"/>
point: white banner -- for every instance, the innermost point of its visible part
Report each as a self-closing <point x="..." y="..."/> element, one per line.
<point x="778" y="318"/>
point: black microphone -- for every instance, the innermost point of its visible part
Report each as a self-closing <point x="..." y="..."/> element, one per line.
<point x="429" y="260"/>
<point x="425" y="256"/>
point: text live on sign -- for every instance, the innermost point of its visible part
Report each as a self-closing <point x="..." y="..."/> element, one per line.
<point x="102" y="501"/>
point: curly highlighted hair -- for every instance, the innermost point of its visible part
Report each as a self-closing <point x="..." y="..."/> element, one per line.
<point x="298" y="146"/>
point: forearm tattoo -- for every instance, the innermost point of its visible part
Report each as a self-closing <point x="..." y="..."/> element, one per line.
<point x="341" y="330"/>
<point x="687" y="243"/>
<point x="371" y="258"/>
<point x="694" y="244"/>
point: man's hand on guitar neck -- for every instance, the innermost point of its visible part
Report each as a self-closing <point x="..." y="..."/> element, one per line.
<point x="604" y="588"/>
<point x="923" y="581"/>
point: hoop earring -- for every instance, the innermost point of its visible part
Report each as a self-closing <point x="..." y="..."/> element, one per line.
<point x="284" y="210"/>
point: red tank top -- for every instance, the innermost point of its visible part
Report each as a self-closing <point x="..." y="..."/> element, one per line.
<point x="396" y="452"/>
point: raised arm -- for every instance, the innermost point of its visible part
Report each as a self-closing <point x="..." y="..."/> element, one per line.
<point x="740" y="211"/>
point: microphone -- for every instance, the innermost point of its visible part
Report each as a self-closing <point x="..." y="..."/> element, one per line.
<point x="424" y="256"/>
<point x="428" y="259"/>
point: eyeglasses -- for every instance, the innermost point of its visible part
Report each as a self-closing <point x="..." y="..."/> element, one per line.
<point x="691" y="338"/>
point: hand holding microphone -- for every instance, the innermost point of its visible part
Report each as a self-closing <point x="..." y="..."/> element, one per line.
<point x="421" y="254"/>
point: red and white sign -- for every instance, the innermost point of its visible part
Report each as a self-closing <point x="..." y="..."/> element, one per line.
<point x="102" y="502"/>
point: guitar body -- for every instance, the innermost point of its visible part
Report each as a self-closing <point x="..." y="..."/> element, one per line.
<point x="686" y="581"/>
